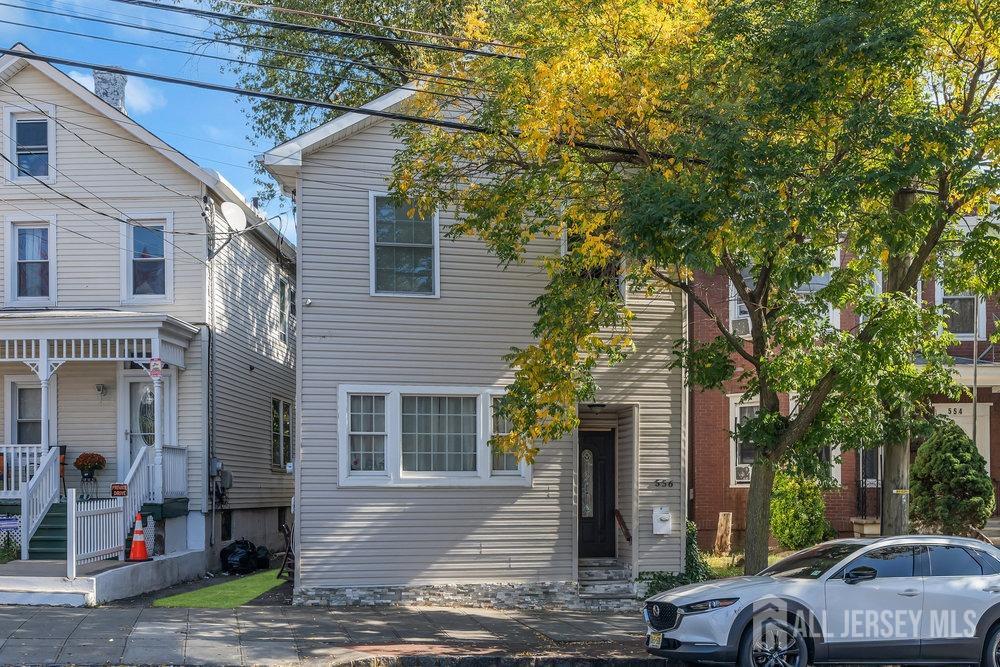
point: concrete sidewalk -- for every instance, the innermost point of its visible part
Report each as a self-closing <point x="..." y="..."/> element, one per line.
<point x="311" y="635"/>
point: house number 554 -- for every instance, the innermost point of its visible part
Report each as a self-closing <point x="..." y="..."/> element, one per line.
<point x="668" y="483"/>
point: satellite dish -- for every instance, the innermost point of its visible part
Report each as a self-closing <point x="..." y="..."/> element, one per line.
<point x="234" y="215"/>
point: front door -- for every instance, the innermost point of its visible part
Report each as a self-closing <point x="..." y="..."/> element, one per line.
<point x="141" y="415"/>
<point x="136" y="415"/>
<point x="597" y="494"/>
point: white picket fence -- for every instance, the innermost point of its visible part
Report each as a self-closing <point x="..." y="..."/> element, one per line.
<point x="93" y="530"/>
<point x="37" y="496"/>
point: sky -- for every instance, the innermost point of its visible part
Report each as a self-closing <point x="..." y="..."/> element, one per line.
<point x="211" y="128"/>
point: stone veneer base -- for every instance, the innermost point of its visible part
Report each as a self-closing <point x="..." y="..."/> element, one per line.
<point x="543" y="595"/>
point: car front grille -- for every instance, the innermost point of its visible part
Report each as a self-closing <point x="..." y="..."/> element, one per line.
<point x="663" y="615"/>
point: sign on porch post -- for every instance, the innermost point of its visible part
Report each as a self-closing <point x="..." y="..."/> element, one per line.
<point x="155" y="368"/>
<point x="119" y="490"/>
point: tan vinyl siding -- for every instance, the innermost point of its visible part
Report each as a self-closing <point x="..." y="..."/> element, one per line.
<point x="625" y="462"/>
<point x="409" y="536"/>
<point x="252" y="365"/>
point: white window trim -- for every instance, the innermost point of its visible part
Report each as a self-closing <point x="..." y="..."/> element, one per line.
<point x="735" y="403"/>
<point x="734" y="310"/>
<point x="834" y="314"/>
<point x="29" y="381"/>
<point x="435" y="236"/>
<point x="283" y="466"/>
<point x="980" y="301"/>
<point x="47" y="220"/>
<point x="166" y="218"/>
<point x="125" y="376"/>
<point x="394" y="474"/>
<point x="287" y="331"/>
<point x="46" y="112"/>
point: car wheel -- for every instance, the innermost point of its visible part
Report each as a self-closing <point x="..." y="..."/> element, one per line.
<point x="991" y="648"/>
<point x="773" y="643"/>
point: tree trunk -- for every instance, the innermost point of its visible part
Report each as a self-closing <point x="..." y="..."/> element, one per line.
<point x="896" y="488"/>
<point x="758" y="517"/>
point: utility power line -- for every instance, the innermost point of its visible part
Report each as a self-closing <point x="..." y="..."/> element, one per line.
<point x="371" y="24"/>
<point x="325" y="32"/>
<point x="311" y="54"/>
<point x="388" y="115"/>
<point x="221" y="58"/>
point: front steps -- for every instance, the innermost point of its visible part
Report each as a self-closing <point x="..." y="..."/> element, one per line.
<point x="49" y="541"/>
<point x="606" y="584"/>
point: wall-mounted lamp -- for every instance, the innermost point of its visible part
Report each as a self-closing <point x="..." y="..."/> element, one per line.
<point x="596" y="407"/>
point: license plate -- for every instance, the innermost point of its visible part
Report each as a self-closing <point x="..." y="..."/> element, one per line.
<point x="655" y="639"/>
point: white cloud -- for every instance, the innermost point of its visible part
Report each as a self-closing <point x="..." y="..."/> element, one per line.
<point x="140" y="97"/>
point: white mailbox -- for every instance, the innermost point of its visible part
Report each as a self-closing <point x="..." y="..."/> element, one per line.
<point x="663" y="521"/>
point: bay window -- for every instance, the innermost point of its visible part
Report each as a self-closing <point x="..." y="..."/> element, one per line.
<point x="421" y="436"/>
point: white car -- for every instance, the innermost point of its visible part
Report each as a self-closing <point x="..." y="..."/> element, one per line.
<point x="913" y="599"/>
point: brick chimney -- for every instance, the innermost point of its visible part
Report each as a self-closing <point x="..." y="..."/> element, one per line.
<point x="110" y="87"/>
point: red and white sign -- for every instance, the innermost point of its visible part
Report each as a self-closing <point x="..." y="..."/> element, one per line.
<point x="119" y="490"/>
<point x="155" y="367"/>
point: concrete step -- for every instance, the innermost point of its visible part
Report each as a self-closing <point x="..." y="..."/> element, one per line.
<point x="602" y="574"/>
<point x="622" y="590"/>
<point x="598" y="562"/>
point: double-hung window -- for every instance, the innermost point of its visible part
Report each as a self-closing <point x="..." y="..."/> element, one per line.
<point x="31" y="251"/>
<point x="960" y="309"/>
<point x="286" y="310"/>
<point x="422" y="436"/>
<point x="282" y="443"/>
<point x="31" y="141"/>
<point x="147" y="262"/>
<point x="503" y="463"/>
<point x="742" y="453"/>
<point x="404" y="249"/>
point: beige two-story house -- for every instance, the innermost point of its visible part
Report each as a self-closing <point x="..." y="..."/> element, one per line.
<point x="402" y="334"/>
<point x="148" y="316"/>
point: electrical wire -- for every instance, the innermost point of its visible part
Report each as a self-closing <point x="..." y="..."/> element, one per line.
<point x="314" y="54"/>
<point x="314" y="30"/>
<point x="377" y="113"/>
<point x="371" y="24"/>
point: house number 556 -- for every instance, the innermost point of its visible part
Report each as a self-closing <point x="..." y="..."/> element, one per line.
<point x="668" y="483"/>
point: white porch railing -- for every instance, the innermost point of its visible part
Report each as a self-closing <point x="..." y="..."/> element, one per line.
<point x="37" y="496"/>
<point x="174" y="471"/>
<point x="93" y="530"/>
<point x="140" y="487"/>
<point x="19" y="465"/>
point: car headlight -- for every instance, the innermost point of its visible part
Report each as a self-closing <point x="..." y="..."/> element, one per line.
<point x="708" y="605"/>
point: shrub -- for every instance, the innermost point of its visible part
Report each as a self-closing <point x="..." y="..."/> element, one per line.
<point x="798" y="512"/>
<point x="951" y="490"/>
<point x="696" y="568"/>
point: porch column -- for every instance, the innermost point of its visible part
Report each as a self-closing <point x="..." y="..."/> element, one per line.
<point x="158" y="438"/>
<point x="44" y="382"/>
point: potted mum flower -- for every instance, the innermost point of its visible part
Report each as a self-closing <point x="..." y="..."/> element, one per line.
<point x="88" y="464"/>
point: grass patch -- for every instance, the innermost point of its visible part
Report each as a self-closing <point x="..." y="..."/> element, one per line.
<point x="225" y="595"/>
<point x="724" y="566"/>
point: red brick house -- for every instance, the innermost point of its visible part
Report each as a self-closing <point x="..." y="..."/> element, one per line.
<point x="719" y="470"/>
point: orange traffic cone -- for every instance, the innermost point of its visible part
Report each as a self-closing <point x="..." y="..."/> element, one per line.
<point x="138" y="550"/>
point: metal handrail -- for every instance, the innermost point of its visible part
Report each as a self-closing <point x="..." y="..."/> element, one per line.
<point x="620" y="520"/>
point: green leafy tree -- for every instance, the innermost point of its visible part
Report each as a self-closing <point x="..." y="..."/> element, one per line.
<point x="951" y="489"/>
<point x="798" y="511"/>
<point x="821" y="156"/>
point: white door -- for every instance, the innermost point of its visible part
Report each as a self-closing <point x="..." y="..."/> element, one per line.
<point x="136" y="415"/>
<point x="961" y="414"/>
<point x="957" y="593"/>
<point x="878" y="618"/>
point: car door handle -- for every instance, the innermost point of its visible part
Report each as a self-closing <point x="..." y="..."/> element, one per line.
<point x="910" y="593"/>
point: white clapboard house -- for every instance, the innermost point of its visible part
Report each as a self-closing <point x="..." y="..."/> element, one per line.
<point x="134" y="325"/>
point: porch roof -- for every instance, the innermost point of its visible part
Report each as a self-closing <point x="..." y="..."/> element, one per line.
<point x="58" y="336"/>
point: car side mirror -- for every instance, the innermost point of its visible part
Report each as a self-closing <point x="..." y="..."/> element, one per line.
<point x="859" y="574"/>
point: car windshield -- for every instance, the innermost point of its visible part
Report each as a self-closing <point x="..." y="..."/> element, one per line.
<point x="811" y="563"/>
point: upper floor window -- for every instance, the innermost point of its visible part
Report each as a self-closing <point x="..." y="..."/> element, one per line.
<point x="404" y="250"/>
<point x="281" y="432"/>
<point x="31" y="261"/>
<point x="961" y="312"/>
<point x="286" y="310"/>
<point x="31" y="142"/>
<point x="147" y="266"/>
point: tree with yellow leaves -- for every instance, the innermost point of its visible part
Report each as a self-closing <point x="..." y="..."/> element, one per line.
<point x="822" y="155"/>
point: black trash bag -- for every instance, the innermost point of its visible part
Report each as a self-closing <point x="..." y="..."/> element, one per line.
<point x="240" y="557"/>
<point x="263" y="557"/>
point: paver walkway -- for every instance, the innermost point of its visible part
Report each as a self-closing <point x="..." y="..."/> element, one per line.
<point x="312" y="635"/>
